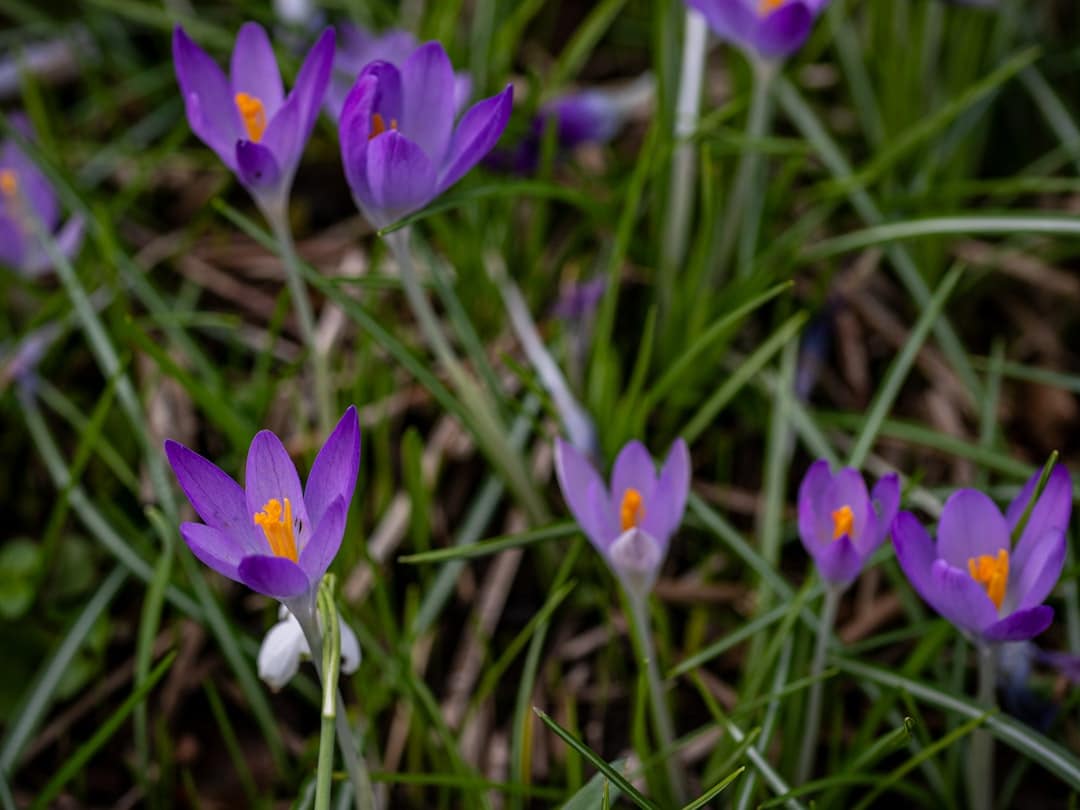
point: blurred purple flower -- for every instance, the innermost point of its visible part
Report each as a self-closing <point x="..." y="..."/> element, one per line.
<point x="357" y="48"/>
<point x="399" y="144"/>
<point x="28" y="204"/>
<point x="973" y="576"/>
<point x="630" y="524"/>
<point x="840" y="523"/>
<point x="579" y="300"/>
<point x="256" y="130"/>
<point x="772" y="29"/>
<point x="271" y="536"/>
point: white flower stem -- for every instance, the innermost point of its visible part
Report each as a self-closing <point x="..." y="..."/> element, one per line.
<point x="279" y="224"/>
<point x="981" y="762"/>
<point x="665" y="728"/>
<point x="817" y="666"/>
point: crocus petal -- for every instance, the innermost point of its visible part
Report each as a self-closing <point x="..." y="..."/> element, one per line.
<point x="215" y="496"/>
<point x="731" y="20"/>
<point x="634" y="469"/>
<point x="839" y="561"/>
<point x="915" y="552"/>
<point x="279" y="655"/>
<point x="427" y="86"/>
<point x="312" y="81"/>
<point x="961" y="599"/>
<point x="256" y="166"/>
<point x="668" y="501"/>
<point x="12" y="248"/>
<point x="254" y="68"/>
<point x="1021" y="625"/>
<point x="211" y="109"/>
<point x="401" y="178"/>
<point x="1051" y="511"/>
<point x="848" y="489"/>
<point x="271" y="475"/>
<point x="388" y="91"/>
<point x="350" y="649"/>
<point x="322" y="545"/>
<point x="479" y="130"/>
<point x="214" y="548"/>
<point x="784" y="31"/>
<point x="333" y="475"/>
<point x="971" y="525"/>
<point x="1031" y="584"/>
<point x="355" y="135"/>
<point x="462" y="91"/>
<point x="885" y="498"/>
<point x="815" y="524"/>
<point x="585" y="494"/>
<point x="276" y="577"/>
<point x="636" y="557"/>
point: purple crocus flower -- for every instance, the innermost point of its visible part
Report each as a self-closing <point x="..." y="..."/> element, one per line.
<point x="398" y="140"/>
<point x="28" y="205"/>
<point x="256" y="130"/>
<point x="357" y="48"/>
<point x="973" y="576"/>
<point x="840" y="523"/>
<point x="772" y="29"/>
<point x="631" y="523"/>
<point x="271" y="535"/>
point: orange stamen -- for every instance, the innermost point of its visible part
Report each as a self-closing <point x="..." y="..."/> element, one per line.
<point x="631" y="511"/>
<point x="253" y="114"/>
<point x="843" y="521"/>
<point x="766" y="7"/>
<point x="9" y="183"/>
<point x="992" y="573"/>
<point x="378" y="125"/>
<point x="277" y="525"/>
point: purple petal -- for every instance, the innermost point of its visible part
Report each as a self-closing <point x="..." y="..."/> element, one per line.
<point x="324" y="542"/>
<point x="256" y="166"/>
<point x="401" y="178"/>
<point x="211" y="109"/>
<point x="961" y="599"/>
<point x="479" y="130"/>
<point x="784" y="31"/>
<point x="254" y="68"/>
<point x="271" y="475"/>
<point x="214" y="548"/>
<point x="1031" y="584"/>
<point x="462" y="90"/>
<point x="634" y="469"/>
<point x="636" y="557"/>
<point x="731" y="20"/>
<point x="1021" y="625"/>
<point x="886" y="502"/>
<point x="311" y="83"/>
<point x="333" y="475"/>
<point x="839" y="561"/>
<point x="388" y="91"/>
<point x="915" y="552"/>
<point x="427" y="87"/>
<point x="12" y="246"/>
<point x="215" y="496"/>
<point x="815" y="521"/>
<point x="276" y="577"/>
<point x="585" y="494"/>
<point x="849" y="489"/>
<point x="971" y="525"/>
<point x="668" y="502"/>
<point x="1051" y="511"/>
<point x="355" y="136"/>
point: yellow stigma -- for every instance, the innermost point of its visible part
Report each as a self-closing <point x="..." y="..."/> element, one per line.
<point x="278" y="528"/>
<point x="9" y="183"/>
<point x="378" y="125"/>
<point x="843" y="520"/>
<point x="631" y="512"/>
<point x="766" y="7"/>
<point x="253" y="114"/>
<point x="992" y="573"/>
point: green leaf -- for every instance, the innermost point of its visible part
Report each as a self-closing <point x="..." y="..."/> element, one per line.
<point x="20" y="564"/>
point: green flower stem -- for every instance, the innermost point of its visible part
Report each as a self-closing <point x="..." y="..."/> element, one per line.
<point x="485" y="420"/>
<point x="331" y="660"/>
<point x="817" y="667"/>
<point x="665" y="728"/>
<point x="981" y="762"/>
<point x="279" y="224"/>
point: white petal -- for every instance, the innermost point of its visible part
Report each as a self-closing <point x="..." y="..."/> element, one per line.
<point x="279" y="655"/>
<point x="350" y="649"/>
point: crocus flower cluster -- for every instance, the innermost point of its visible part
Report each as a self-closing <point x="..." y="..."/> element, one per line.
<point x="840" y="523"/>
<point x="770" y="29"/>
<point x="631" y="523"/>
<point x="974" y="575"/>
<point x="28" y="205"/>
<point x="271" y="535"/>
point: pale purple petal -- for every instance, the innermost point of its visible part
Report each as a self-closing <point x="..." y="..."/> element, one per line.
<point x="427" y="87"/>
<point x="214" y="548"/>
<point x="915" y="552"/>
<point x="276" y="577"/>
<point x="585" y="494"/>
<point x="885" y="498"/>
<point x="323" y="544"/>
<point x="311" y="83"/>
<point x="1030" y="584"/>
<point x="1021" y="625"/>
<point x="254" y="68"/>
<point x="462" y="91"/>
<point x="1051" y="511"/>
<point x="388" y="92"/>
<point x="333" y="474"/>
<point x="971" y="526"/>
<point x="401" y="178"/>
<point x="731" y="20"/>
<point x="839" y="561"/>
<point x="664" y="511"/>
<point x="256" y="166"/>
<point x="848" y="489"/>
<point x="636" y="557"/>
<point x="211" y="109"/>
<point x="479" y="130"/>
<point x="271" y="475"/>
<point x="634" y="469"/>
<point x="815" y="522"/>
<point x="12" y="244"/>
<point x="960" y="599"/>
<point x="355" y="135"/>
<point x="783" y="31"/>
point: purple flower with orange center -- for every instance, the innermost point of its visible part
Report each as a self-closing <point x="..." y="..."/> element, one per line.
<point x="974" y="576"/>
<point x="631" y="523"/>
<point x="772" y="29"/>
<point x="256" y="130"/>
<point x="399" y="143"/>
<point x="271" y="535"/>
<point x="840" y="523"/>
